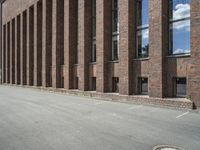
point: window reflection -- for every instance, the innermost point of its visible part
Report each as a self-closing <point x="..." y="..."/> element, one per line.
<point x="142" y="29"/>
<point x="179" y="27"/>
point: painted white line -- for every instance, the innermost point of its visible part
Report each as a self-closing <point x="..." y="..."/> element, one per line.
<point x="182" y="115"/>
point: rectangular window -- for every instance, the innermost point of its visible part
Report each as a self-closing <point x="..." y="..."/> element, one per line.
<point x="115" y="30"/>
<point x="179" y="27"/>
<point x="180" y="87"/>
<point x="93" y="83"/>
<point x="143" y="85"/>
<point x="142" y="29"/>
<point x="115" y="84"/>
<point x="76" y="82"/>
<point x="93" y="53"/>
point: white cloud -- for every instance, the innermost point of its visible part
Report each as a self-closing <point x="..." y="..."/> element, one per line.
<point x="182" y="25"/>
<point x="145" y="34"/>
<point x="181" y="11"/>
<point x="179" y="51"/>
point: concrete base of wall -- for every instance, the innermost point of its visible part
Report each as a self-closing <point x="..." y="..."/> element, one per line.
<point x="176" y="103"/>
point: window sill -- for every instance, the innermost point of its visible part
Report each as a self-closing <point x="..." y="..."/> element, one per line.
<point x="76" y="64"/>
<point x="92" y="63"/>
<point x="114" y="61"/>
<point x="141" y="59"/>
<point x="178" y="56"/>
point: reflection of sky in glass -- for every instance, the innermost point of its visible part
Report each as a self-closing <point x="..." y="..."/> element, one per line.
<point x="143" y="19"/>
<point x="180" y="29"/>
<point x="143" y="42"/>
<point x="143" y="31"/>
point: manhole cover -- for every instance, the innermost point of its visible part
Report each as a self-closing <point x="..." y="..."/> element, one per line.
<point x="167" y="147"/>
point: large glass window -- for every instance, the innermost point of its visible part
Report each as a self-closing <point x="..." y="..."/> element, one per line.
<point x="179" y="27"/>
<point x="93" y="53"/>
<point x="115" y="30"/>
<point x="142" y="29"/>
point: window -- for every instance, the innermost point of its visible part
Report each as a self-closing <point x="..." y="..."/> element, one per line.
<point x="179" y="27"/>
<point x="115" y="84"/>
<point x="93" y="83"/>
<point x="115" y="30"/>
<point x="180" y="87"/>
<point x="143" y="85"/>
<point x="76" y="82"/>
<point x="93" y="53"/>
<point x="142" y="29"/>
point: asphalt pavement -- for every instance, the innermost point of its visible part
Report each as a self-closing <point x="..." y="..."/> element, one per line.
<point x="39" y="120"/>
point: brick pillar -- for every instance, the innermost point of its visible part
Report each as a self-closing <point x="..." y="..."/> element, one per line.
<point x="70" y="40"/>
<point x="126" y="45"/>
<point x="10" y="57"/>
<point x="8" y="53"/>
<point x="12" y="45"/>
<point x="103" y="40"/>
<point x="38" y="43"/>
<point x="57" y="41"/>
<point x="194" y="73"/>
<point x="4" y="54"/>
<point x="30" y="45"/>
<point x="158" y="47"/>
<point x="23" y="48"/>
<point x="84" y="42"/>
<point x="46" y="42"/>
<point x="17" y="50"/>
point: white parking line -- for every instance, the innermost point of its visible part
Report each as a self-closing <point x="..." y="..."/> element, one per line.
<point x="182" y="115"/>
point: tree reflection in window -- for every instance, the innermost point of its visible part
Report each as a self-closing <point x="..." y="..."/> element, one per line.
<point x="142" y="29"/>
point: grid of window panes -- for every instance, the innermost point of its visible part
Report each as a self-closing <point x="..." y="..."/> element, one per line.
<point x="179" y="27"/>
<point x="93" y="53"/>
<point x="181" y="87"/>
<point x="142" y="29"/>
<point x="143" y="85"/>
<point x="115" y="30"/>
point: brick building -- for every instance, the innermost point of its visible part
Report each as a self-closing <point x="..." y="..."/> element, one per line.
<point x="140" y="50"/>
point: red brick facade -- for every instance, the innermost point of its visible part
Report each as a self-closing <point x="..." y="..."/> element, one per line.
<point x="47" y="43"/>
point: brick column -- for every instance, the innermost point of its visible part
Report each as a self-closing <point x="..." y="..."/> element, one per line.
<point x="17" y="50"/>
<point x="8" y="53"/>
<point x="57" y="41"/>
<point x="84" y="42"/>
<point x="194" y="73"/>
<point x="4" y="54"/>
<point x="103" y="40"/>
<point x="46" y="42"/>
<point x="70" y="40"/>
<point x="126" y="45"/>
<point x="38" y="43"/>
<point x="158" y="47"/>
<point x="12" y="52"/>
<point x="30" y="45"/>
<point x="23" y="48"/>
